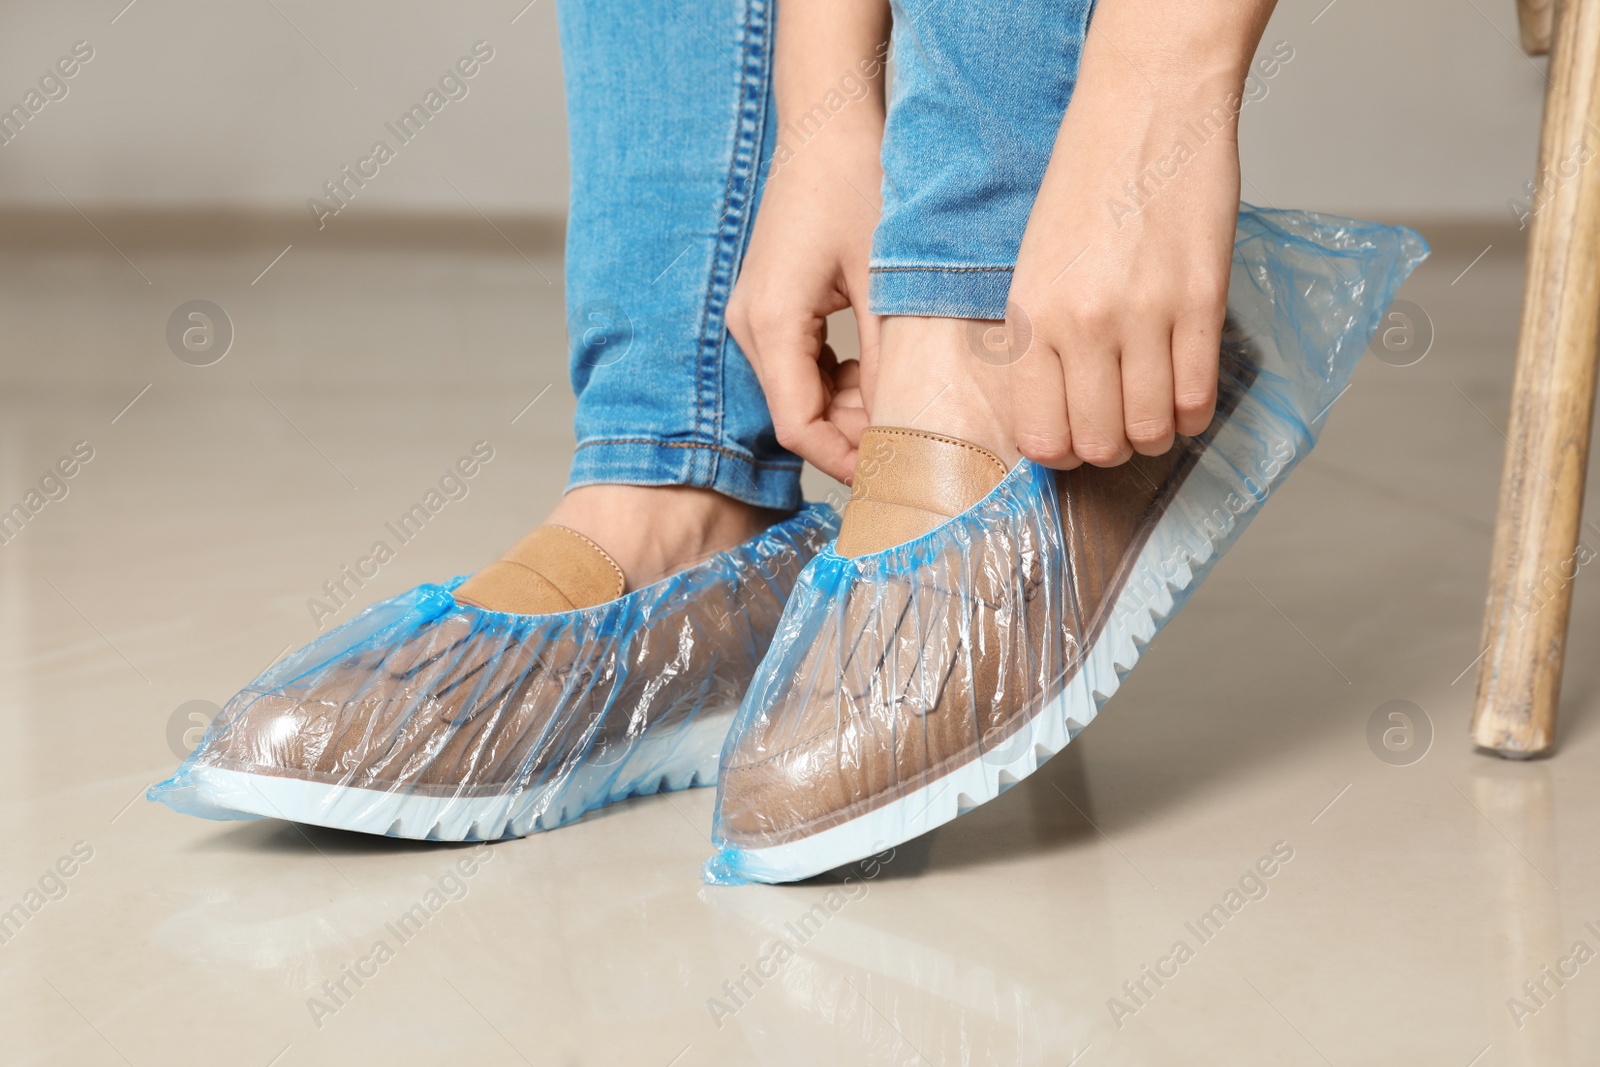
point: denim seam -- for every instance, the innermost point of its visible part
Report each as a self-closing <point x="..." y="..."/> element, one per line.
<point x="721" y="450"/>
<point x="942" y="270"/>
<point x="752" y="94"/>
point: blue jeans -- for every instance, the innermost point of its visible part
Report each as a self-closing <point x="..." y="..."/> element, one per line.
<point x="673" y="128"/>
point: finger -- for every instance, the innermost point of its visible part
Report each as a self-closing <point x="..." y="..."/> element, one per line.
<point x="1147" y="404"/>
<point x="798" y="399"/>
<point x="827" y="362"/>
<point x="1196" y="346"/>
<point x="840" y="380"/>
<point x="1094" y="406"/>
<point x="1039" y="408"/>
<point x="845" y="408"/>
<point x="847" y="375"/>
<point x="851" y="421"/>
<point x="868" y="332"/>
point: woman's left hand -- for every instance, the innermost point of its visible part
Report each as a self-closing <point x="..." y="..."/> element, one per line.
<point x="1121" y="283"/>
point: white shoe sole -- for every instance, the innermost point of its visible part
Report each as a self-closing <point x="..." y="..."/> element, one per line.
<point x="1196" y="528"/>
<point x="677" y="759"/>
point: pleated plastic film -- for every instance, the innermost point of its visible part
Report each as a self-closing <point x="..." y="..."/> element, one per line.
<point x="906" y="686"/>
<point x="424" y="718"/>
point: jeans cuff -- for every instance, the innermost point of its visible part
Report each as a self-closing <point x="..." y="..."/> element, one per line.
<point x="646" y="461"/>
<point x="944" y="292"/>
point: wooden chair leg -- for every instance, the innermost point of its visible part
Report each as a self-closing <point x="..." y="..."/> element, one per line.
<point x="1536" y="553"/>
<point x="1537" y="20"/>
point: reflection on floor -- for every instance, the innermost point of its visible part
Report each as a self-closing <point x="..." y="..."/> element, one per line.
<point x="1229" y="866"/>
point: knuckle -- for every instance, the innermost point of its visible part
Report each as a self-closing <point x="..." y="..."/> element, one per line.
<point x="1195" y="402"/>
<point x="1153" y="446"/>
<point x="1149" y="431"/>
<point x="764" y="318"/>
<point x="1092" y="313"/>
<point x="1151" y="305"/>
<point x="1100" y="450"/>
<point x="1047" y="448"/>
<point x="1206" y="293"/>
<point x="789" y="433"/>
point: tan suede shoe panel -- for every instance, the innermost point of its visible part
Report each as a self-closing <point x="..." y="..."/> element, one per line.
<point x="873" y="525"/>
<point x="552" y="569"/>
<point x="908" y="482"/>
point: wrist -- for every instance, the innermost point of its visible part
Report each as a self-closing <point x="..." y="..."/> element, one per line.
<point x="1134" y="92"/>
<point x="843" y="90"/>
<point x="1111" y="118"/>
<point x="830" y="62"/>
<point x="1172" y="51"/>
<point x="848" y="140"/>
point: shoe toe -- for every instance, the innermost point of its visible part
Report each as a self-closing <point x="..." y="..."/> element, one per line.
<point x="769" y="799"/>
<point x="890" y="669"/>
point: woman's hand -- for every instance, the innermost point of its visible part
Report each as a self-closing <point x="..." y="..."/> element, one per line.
<point x="813" y="233"/>
<point x="808" y="259"/>
<point x="1121" y="283"/>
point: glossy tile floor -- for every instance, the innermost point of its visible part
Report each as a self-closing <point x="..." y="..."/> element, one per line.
<point x="1410" y="898"/>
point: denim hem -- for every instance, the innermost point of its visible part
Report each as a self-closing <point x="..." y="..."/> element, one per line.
<point x="646" y="461"/>
<point x="943" y="292"/>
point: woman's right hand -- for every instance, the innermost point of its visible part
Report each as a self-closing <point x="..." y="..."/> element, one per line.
<point x="813" y="232"/>
<point x="808" y="259"/>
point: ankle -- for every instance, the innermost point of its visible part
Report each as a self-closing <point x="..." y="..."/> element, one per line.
<point x="655" y="531"/>
<point x="933" y="375"/>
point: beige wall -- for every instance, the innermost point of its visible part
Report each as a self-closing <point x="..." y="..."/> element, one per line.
<point x="1393" y="110"/>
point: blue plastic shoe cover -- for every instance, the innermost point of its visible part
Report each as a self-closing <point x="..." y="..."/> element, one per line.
<point x="425" y="718"/>
<point x="907" y="686"/>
